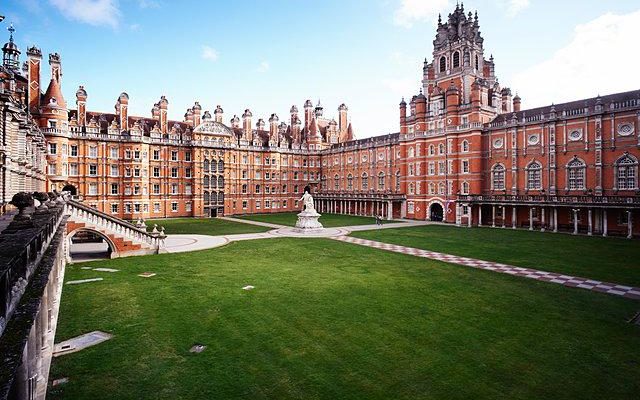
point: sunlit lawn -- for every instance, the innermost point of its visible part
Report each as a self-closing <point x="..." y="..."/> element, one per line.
<point x="327" y="220"/>
<point x="204" y="226"/>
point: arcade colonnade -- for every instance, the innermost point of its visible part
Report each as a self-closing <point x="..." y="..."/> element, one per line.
<point x="386" y="208"/>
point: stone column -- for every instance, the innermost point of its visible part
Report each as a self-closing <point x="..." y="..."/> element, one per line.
<point x="542" y="228"/>
<point x="479" y="214"/>
<point x="629" y="224"/>
<point x="504" y="215"/>
<point x="555" y="219"/>
<point x="493" y="216"/>
<point x="470" y="216"/>
<point x="605" y="227"/>
<point x="530" y="218"/>
<point x="514" y="216"/>
<point x="389" y="210"/>
<point x="575" y="220"/>
<point x="590" y="229"/>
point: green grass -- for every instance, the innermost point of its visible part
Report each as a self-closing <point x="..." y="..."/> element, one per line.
<point x="327" y="220"/>
<point x="608" y="259"/>
<point x="331" y="320"/>
<point x="205" y="226"/>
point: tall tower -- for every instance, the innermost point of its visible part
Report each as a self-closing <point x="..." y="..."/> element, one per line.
<point x="33" y="71"/>
<point x="81" y="103"/>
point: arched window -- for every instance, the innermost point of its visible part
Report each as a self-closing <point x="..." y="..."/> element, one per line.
<point x="214" y="197"/>
<point x="213" y="182"/>
<point x="365" y="181"/>
<point x="206" y="165"/>
<point x="465" y="188"/>
<point x="213" y="166"/>
<point x="205" y="181"/>
<point x="381" y="181"/>
<point x="443" y="64"/>
<point x="244" y="189"/>
<point x="336" y="182"/>
<point x="497" y="177"/>
<point x="221" y="182"/>
<point x="576" y="174"/>
<point x="432" y="150"/>
<point x="220" y="166"/>
<point x="220" y="197"/>
<point x="467" y="59"/>
<point x="257" y="189"/>
<point x="412" y="188"/>
<point x="534" y="176"/>
<point x="412" y="152"/>
<point x="456" y="59"/>
<point x="626" y="170"/>
<point x="441" y="189"/>
<point x="465" y="146"/>
<point x="349" y="182"/>
<point x="432" y="188"/>
<point x="441" y="148"/>
<point x="477" y="62"/>
<point x="206" y="197"/>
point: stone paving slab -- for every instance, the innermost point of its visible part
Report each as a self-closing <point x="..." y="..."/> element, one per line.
<point x="544" y="276"/>
<point x="84" y="281"/>
<point x="80" y="342"/>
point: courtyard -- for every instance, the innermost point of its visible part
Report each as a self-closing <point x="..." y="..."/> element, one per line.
<point x="328" y="319"/>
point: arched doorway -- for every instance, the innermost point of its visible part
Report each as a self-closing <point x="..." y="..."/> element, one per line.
<point x="71" y="189"/>
<point x="436" y="213"/>
<point x="86" y="244"/>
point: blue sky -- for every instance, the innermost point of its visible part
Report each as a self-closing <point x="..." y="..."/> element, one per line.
<point x="268" y="55"/>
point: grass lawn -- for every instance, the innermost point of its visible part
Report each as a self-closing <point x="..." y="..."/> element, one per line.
<point x="327" y="220"/>
<point x="331" y="320"/>
<point x="205" y="226"/>
<point x="609" y="259"/>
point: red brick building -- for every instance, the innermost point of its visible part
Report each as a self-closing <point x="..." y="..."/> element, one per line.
<point x="465" y="153"/>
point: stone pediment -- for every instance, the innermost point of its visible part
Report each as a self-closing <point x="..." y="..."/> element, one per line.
<point x="213" y="128"/>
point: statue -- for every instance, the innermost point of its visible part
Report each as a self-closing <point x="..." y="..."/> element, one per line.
<point x="308" y="218"/>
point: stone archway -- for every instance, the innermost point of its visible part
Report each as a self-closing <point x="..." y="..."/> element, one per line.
<point x="85" y="244"/>
<point x="436" y="212"/>
<point x="71" y="189"/>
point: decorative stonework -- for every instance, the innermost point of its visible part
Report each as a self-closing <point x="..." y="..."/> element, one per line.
<point x="575" y="135"/>
<point x="498" y="143"/>
<point x="533" y="140"/>
<point x="625" y="129"/>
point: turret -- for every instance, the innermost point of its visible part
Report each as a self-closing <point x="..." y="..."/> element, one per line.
<point x="308" y="113"/>
<point x="197" y="110"/>
<point x="517" y="103"/>
<point x="235" y="122"/>
<point x="10" y="52"/>
<point x="342" y="117"/>
<point x="56" y="67"/>
<point x="403" y="112"/>
<point x="188" y="117"/>
<point x="218" y="114"/>
<point x="81" y="104"/>
<point x="260" y="125"/>
<point x="507" y="102"/>
<point x="421" y="106"/>
<point x="273" y="127"/>
<point x="319" y="110"/>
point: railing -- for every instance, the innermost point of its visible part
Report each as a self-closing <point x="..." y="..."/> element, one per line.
<point x="111" y="223"/>
<point x="359" y="195"/>
<point x="21" y="248"/>
<point x="631" y="201"/>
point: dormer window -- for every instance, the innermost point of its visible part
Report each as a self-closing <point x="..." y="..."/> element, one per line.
<point x="53" y="101"/>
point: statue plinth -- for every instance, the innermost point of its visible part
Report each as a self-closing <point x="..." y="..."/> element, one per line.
<point x="308" y="221"/>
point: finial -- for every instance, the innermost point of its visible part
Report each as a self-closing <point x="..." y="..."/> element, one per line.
<point x="476" y="15"/>
<point x="420" y="90"/>
<point x="439" y="19"/>
<point x="11" y="29"/>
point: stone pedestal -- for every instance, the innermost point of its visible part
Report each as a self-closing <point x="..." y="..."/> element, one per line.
<point x="308" y="221"/>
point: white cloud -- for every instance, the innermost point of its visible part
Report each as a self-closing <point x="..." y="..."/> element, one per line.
<point x="412" y="11"/>
<point x="209" y="53"/>
<point x="263" y="67"/>
<point x="601" y="58"/>
<point x="514" y="7"/>
<point x="92" y="12"/>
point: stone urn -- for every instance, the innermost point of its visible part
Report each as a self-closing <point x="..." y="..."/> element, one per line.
<point x="22" y="200"/>
<point x="42" y="197"/>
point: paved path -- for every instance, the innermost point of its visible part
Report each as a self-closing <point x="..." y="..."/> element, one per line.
<point x="566" y="280"/>
<point x="251" y="222"/>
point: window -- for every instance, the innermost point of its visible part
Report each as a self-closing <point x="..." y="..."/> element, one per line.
<point x="174" y="188"/>
<point x="465" y="166"/>
<point x="52" y="169"/>
<point x="156" y="172"/>
<point x="244" y="204"/>
<point x="93" y="151"/>
<point x="432" y="168"/>
<point x="113" y="152"/>
<point x="136" y="189"/>
<point x="456" y="59"/>
<point x="156" y="155"/>
<point x="187" y="157"/>
<point x="432" y="188"/>
<point x="244" y="174"/>
<point x="244" y="189"/>
<point x="156" y="188"/>
<point x="174" y="156"/>
<point x="465" y="146"/>
<point x="174" y="172"/>
<point x="187" y="172"/>
<point x="127" y="154"/>
<point x="443" y="64"/>
<point x="284" y="188"/>
<point x="156" y="207"/>
<point x="136" y="172"/>
<point x="93" y="189"/>
<point x="465" y="188"/>
<point x="381" y="181"/>
<point x="74" y="150"/>
<point x="626" y="170"/>
<point x="534" y="176"/>
<point x="295" y="189"/>
<point x="257" y="189"/>
<point x="336" y="182"/>
<point x="497" y="177"/>
<point x="93" y="169"/>
<point x="432" y="150"/>
<point x="174" y="206"/>
<point x="575" y="174"/>
<point x="349" y="182"/>
<point x="220" y="166"/>
<point x="365" y="181"/>
<point x="53" y="148"/>
<point x="441" y="188"/>
<point x="187" y="205"/>
<point x="258" y="203"/>
<point x="114" y="188"/>
<point x="136" y="154"/>
<point x="441" y="168"/>
<point x="441" y="148"/>
<point x="477" y="62"/>
<point x="73" y="169"/>
<point x="114" y="208"/>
